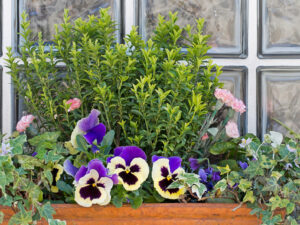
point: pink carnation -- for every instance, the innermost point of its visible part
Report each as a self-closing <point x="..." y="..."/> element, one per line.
<point x="232" y="129"/>
<point x="24" y="122"/>
<point x="75" y="104"/>
<point x="224" y="95"/>
<point x="204" y="137"/>
<point x="227" y="98"/>
<point x="238" y="106"/>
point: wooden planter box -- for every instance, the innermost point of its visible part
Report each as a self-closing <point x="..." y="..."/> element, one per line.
<point x="152" y="214"/>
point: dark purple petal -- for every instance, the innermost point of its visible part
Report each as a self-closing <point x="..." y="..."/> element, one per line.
<point x="34" y="154"/>
<point x="194" y="164"/>
<point x="216" y="176"/>
<point x="89" y="122"/>
<point x="90" y="181"/>
<point x="164" y="183"/>
<point x="97" y="132"/>
<point x="128" y="153"/>
<point x="164" y="172"/>
<point x="100" y="185"/>
<point x="90" y="192"/>
<point x="80" y="173"/>
<point x="128" y="178"/>
<point x="175" y="163"/>
<point x="90" y="137"/>
<point x="155" y="158"/>
<point x="120" y="166"/>
<point x="243" y="165"/>
<point x="69" y="168"/>
<point x="209" y="186"/>
<point x="135" y="169"/>
<point x="97" y="165"/>
<point x="203" y="175"/>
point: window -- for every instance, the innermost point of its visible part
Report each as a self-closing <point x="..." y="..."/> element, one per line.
<point x="257" y="42"/>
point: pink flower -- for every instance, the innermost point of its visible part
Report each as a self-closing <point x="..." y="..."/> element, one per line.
<point x="224" y="95"/>
<point x="204" y="137"/>
<point x="232" y="129"/>
<point x="75" y="104"/>
<point x="24" y="122"/>
<point x="238" y="106"/>
<point x="227" y="98"/>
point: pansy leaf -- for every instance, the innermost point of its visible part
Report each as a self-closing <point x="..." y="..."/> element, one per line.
<point x="117" y="201"/>
<point x="81" y="143"/>
<point x="108" y="138"/>
<point x="136" y="201"/>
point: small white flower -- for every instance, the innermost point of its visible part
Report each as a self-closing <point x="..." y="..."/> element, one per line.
<point x="5" y="149"/>
<point x="245" y="142"/>
<point x="291" y="149"/>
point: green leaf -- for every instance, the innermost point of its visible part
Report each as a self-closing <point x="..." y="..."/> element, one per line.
<point x="249" y="197"/>
<point x="29" y="162"/>
<point x="63" y="186"/>
<point x="117" y="201"/>
<point x="244" y="185"/>
<point x="272" y="185"/>
<point x="52" y="157"/>
<point x="108" y="138"/>
<point x="290" y="208"/>
<point x="48" y="175"/>
<point x="199" y="189"/>
<point x="22" y="217"/>
<point x="213" y="131"/>
<point x="136" y="202"/>
<point x="56" y="222"/>
<point x="266" y="162"/>
<point x="222" y="185"/>
<point x="230" y="162"/>
<point x="46" y="211"/>
<point x="81" y="143"/>
<point x="17" y="144"/>
<point x="254" y="169"/>
<point x="221" y="148"/>
<point x="45" y="137"/>
<point x="224" y="170"/>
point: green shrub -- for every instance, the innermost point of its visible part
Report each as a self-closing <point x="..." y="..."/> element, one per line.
<point x="151" y="93"/>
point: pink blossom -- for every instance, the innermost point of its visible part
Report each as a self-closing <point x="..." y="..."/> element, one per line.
<point x="224" y="95"/>
<point x="24" y="122"/>
<point x="232" y="129"/>
<point x="204" y="137"/>
<point x="238" y="106"/>
<point x="75" y="104"/>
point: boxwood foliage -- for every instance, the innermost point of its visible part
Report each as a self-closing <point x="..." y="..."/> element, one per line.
<point x="153" y="94"/>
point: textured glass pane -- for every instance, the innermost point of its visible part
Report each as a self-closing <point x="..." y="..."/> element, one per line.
<point x="234" y="80"/>
<point x="280" y="91"/>
<point x="280" y="26"/>
<point x="223" y="20"/>
<point x="44" y="14"/>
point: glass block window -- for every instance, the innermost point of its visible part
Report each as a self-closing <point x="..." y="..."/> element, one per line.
<point x="279" y="90"/>
<point x="279" y="31"/>
<point x="225" y="21"/>
<point x="234" y="79"/>
<point x="44" y="14"/>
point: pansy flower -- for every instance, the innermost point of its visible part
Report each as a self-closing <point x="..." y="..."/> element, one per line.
<point x="129" y="163"/>
<point x="209" y="177"/>
<point x="194" y="163"/>
<point x="56" y="173"/>
<point x="243" y="165"/>
<point x="93" y="185"/>
<point x="165" y="172"/>
<point x="91" y="129"/>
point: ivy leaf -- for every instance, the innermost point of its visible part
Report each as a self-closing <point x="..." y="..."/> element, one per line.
<point x="249" y="197"/>
<point x="17" y="144"/>
<point x="46" y="211"/>
<point x="276" y="138"/>
<point x="244" y="185"/>
<point x="175" y="184"/>
<point x="222" y="185"/>
<point x="52" y="157"/>
<point x="213" y="131"/>
<point x="45" y="137"/>
<point x="266" y="162"/>
<point x="224" y="170"/>
<point x="290" y="208"/>
<point x="254" y="169"/>
<point x="49" y="176"/>
<point x="22" y="217"/>
<point x="29" y="162"/>
<point x="199" y="189"/>
<point x="272" y="185"/>
<point x="56" y="222"/>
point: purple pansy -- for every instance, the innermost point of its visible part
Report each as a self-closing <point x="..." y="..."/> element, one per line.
<point x="165" y="172"/>
<point x="243" y="165"/>
<point x="95" y="164"/>
<point x="194" y="164"/>
<point x="216" y="176"/>
<point x="209" y="177"/>
<point x="93" y="185"/>
<point x="91" y="129"/>
<point x="203" y="175"/>
<point x="129" y="163"/>
<point x="34" y="154"/>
